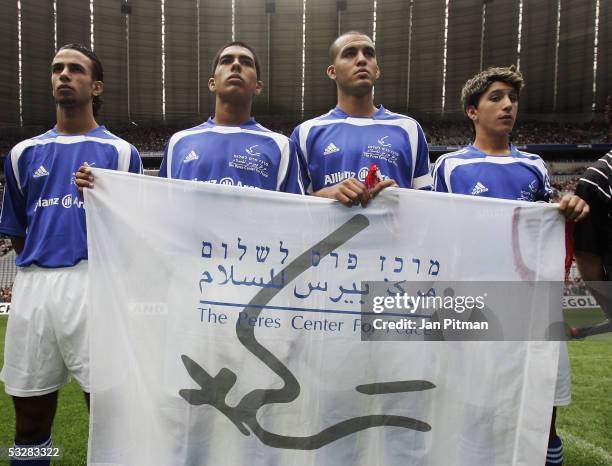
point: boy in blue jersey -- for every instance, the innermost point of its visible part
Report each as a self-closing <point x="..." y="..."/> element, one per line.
<point x="338" y="148"/>
<point x="47" y="335"/>
<point x="492" y="167"/>
<point x="232" y="148"/>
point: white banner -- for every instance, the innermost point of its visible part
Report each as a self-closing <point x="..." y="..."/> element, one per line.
<point x="226" y="328"/>
<point x="5" y="308"/>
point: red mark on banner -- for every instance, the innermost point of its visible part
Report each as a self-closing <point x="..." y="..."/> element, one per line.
<point x="569" y="247"/>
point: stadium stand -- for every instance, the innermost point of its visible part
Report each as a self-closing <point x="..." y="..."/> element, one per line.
<point x="8" y="269"/>
<point x="438" y="132"/>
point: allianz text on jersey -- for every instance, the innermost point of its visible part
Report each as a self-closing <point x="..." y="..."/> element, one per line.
<point x="66" y="201"/>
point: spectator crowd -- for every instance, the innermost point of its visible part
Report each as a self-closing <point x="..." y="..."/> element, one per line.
<point x="438" y="132"/>
<point x="5" y="245"/>
<point x="6" y="294"/>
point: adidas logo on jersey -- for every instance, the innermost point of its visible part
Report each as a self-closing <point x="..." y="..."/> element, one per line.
<point x="479" y="189"/>
<point x="330" y="149"/>
<point x="41" y="171"/>
<point x="190" y="157"/>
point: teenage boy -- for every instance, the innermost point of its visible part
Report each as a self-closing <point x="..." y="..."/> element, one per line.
<point x="230" y="148"/>
<point x="492" y="167"/>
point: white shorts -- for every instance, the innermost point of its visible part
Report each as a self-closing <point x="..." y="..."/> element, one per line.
<point x="47" y="337"/>
<point x="563" y="387"/>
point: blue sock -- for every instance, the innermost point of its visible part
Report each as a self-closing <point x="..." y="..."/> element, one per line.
<point x="554" y="455"/>
<point x="23" y="460"/>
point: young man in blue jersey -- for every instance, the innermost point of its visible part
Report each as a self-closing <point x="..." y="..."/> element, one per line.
<point x="337" y="149"/>
<point x="230" y="148"/>
<point x="492" y="167"/>
<point x="47" y="334"/>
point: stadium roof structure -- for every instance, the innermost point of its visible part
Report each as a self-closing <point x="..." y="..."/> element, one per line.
<point x="157" y="53"/>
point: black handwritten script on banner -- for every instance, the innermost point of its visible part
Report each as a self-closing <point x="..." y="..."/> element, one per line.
<point x="214" y="390"/>
<point x="229" y="274"/>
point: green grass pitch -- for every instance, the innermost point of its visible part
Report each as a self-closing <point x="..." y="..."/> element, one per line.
<point x="585" y="425"/>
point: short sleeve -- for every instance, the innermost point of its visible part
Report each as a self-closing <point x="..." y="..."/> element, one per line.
<point x="439" y="182"/>
<point x="292" y="182"/>
<point x="135" y="161"/>
<point x="305" y="180"/>
<point x="421" y="178"/>
<point x="13" y="217"/>
<point x="163" y="169"/>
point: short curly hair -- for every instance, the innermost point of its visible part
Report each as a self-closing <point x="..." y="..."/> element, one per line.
<point x="475" y="87"/>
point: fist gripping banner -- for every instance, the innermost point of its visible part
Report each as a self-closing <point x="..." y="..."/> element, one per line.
<point x="233" y="326"/>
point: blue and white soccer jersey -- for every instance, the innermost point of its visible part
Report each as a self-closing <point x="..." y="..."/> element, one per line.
<point x="248" y="155"/>
<point x="518" y="176"/>
<point x="41" y="201"/>
<point x="335" y="147"/>
<point x="47" y="336"/>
